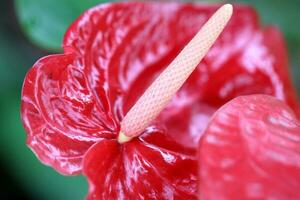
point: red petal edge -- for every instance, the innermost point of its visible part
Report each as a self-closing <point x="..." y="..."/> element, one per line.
<point x="250" y="150"/>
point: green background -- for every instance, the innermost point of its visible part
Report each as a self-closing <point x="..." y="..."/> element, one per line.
<point x="30" y="29"/>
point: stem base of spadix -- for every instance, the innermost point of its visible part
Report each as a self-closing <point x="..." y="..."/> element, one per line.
<point x="122" y="138"/>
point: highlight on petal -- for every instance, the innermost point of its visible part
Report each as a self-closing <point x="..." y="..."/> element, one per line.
<point x="250" y="150"/>
<point x="246" y="59"/>
<point x="72" y="103"/>
<point x="59" y="114"/>
<point x="148" y="168"/>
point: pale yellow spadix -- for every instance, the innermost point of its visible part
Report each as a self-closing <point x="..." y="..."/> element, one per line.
<point x="160" y="92"/>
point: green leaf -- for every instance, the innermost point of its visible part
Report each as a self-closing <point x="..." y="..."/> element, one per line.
<point x="45" y="22"/>
<point x="15" y="54"/>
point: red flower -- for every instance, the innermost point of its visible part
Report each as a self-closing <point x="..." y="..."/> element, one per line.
<point x="72" y="103"/>
<point x="250" y="150"/>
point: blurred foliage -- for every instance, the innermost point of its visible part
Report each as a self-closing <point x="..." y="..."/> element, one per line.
<point x="44" y="23"/>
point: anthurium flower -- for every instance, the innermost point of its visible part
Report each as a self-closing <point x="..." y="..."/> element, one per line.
<point x="250" y="150"/>
<point x="72" y="103"/>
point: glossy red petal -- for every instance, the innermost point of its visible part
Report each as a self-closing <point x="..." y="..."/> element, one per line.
<point x="284" y="89"/>
<point x="250" y="150"/>
<point x="112" y="53"/>
<point x="141" y="169"/>
<point x="246" y="59"/>
<point x="59" y="113"/>
<point x="77" y="98"/>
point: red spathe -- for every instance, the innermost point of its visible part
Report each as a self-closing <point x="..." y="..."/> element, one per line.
<point x="250" y="150"/>
<point x="72" y="103"/>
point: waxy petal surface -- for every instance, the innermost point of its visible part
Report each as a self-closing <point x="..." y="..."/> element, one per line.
<point x="144" y="168"/>
<point x="251" y="150"/>
<point x="72" y="103"/>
